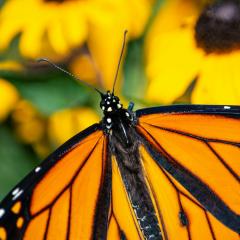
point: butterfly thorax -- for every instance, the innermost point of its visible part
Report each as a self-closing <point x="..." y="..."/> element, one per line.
<point x="116" y="118"/>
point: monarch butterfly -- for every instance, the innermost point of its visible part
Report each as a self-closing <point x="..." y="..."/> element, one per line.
<point x="169" y="172"/>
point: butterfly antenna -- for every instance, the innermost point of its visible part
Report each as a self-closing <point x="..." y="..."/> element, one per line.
<point x="68" y="73"/>
<point x="119" y="62"/>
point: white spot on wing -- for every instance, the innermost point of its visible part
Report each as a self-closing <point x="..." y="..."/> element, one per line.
<point x="2" y="212"/>
<point x="16" y="193"/>
<point x="37" y="169"/>
<point x="109" y="109"/>
<point x="227" y="107"/>
<point x="109" y="120"/>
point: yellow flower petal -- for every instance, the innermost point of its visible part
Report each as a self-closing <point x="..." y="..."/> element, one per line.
<point x="138" y="20"/>
<point x="10" y="65"/>
<point x="31" y="38"/>
<point x="108" y="21"/>
<point x="71" y="22"/>
<point x="66" y="123"/>
<point x="218" y="82"/>
<point x="56" y="36"/>
<point x="106" y="50"/>
<point x="172" y="63"/>
<point x="173" y="14"/>
<point x="8" y="30"/>
<point x="64" y="23"/>
<point x="11" y="23"/>
<point x="83" y="67"/>
<point x="9" y="96"/>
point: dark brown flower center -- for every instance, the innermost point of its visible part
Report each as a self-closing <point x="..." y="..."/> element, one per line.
<point x="218" y="27"/>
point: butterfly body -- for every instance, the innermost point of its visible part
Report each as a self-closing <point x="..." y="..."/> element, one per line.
<point x="119" y="125"/>
<point x="158" y="173"/>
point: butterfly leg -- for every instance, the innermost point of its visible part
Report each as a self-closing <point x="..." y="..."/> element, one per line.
<point x="130" y="106"/>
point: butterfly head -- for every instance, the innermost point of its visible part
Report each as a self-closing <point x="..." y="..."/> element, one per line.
<point x="110" y="103"/>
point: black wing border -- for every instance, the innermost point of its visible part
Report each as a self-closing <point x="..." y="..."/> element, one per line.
<point x="226" y="110"/>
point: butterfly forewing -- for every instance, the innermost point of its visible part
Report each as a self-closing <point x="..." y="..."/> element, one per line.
<point x="61" y="204"/>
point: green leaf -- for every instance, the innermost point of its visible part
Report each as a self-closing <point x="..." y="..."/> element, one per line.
<point x="16" y="160"/>
<point x="11" y="53"/>
<point x="134" y="75"/>
<point x="48" y="92"/>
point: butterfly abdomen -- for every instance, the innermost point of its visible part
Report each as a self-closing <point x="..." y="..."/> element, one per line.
<point x="129" y="164"/>
<point x="140" y="199"/>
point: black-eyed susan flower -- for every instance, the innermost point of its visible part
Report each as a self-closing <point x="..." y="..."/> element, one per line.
<point x="53" y="26"/>
<point x="65" y="123"/>
<point x="43" y="24"/>
<point x="9" y="97"/>
<point x="202" y="46"/>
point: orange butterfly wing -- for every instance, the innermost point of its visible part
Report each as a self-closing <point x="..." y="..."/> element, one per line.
<point x="191" y="166"/>
<point x="207" y="146"/>
<point x="66" y="196"/>
<point x="61" y="205"/>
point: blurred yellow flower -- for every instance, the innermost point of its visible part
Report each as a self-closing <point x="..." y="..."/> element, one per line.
<point x="8" y="97"/>
<point x="195" y="47"/>
<point x="83" y="67"/>
<point x="43" y="25"/>
<point x="10" y="65"/>
<point x="29" y="124"/>
<point x="66" y="123"/>
<point x="54" y="28"/>
<point x="60" y="26"/>
<point x="105" y="36"/>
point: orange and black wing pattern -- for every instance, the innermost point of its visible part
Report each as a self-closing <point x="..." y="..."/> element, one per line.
<point x="191" y="160"/>
<point x="59" y="199"/>
<point x="170" y="173"/>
